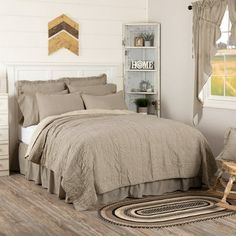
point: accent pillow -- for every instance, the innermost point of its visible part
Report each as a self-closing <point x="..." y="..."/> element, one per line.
<point x="94" y="90"/>
<point x="86" y="81"/>
<point x="56" y="104"/>
<point x="26" y="91"/>
<point x="229" y="151"/>
<point x="109" y="102"/>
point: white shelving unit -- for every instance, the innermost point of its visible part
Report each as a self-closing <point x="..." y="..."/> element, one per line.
<point x="142" y="63"/>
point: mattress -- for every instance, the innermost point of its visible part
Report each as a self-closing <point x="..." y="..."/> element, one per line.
<point x="25" y="134"/>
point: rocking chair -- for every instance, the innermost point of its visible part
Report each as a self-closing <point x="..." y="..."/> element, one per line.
<point x="227" y="165"/>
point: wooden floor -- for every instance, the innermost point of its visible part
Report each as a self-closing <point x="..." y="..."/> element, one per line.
<point x="27" y="209"/>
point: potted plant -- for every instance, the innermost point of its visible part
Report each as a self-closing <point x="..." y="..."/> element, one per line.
<point x="142" y="105"/>
<point x="148" y="39"/>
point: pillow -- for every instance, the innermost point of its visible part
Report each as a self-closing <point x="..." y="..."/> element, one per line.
<point x="31" y="87"/>
<point x="26" y="91"/>
<point x="229" y="151"/>
<point x="94" y="90"/>
<point x="29" y="108"/>
<point x="56" y="104"/>
<point x="110" y="102"/>
<point x="86" y="81"/>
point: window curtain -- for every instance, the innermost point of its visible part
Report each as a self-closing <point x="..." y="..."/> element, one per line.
<point x="232" y="16"/>
<point x="207" y="17"/>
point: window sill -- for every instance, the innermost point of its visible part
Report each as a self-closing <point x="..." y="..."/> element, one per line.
<point x="220" y="104"/>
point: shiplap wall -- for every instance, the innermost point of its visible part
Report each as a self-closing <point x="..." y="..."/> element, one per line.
<point x="24" y="23"/>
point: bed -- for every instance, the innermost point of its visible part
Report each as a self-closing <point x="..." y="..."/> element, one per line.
<point x="105" y="153"/>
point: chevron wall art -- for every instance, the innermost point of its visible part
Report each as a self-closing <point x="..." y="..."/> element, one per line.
<point x="63" y="33"/>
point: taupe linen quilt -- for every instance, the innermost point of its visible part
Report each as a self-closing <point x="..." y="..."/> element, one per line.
<point x="97" y="151"/>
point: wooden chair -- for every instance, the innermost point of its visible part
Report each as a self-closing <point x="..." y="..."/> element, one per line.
<point x="228" y="167"/>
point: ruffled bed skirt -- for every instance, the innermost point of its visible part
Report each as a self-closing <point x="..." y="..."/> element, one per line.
<point x="51" y="181"/>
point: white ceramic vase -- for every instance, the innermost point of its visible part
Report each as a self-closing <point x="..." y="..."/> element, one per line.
<point x="147" y="43"/>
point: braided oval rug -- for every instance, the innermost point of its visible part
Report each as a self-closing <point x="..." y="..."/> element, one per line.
<point x="166" y="210"/>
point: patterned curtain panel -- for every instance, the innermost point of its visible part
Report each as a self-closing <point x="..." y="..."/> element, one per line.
<point x="207" y="17"/>
<point x="232" y="16"/>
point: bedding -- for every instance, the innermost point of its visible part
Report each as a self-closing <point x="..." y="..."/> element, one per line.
<point x="31" y="87"/>
<point x="85" y="81"/>
<point x="95" y="157"/>
<point x="93" y="90"/>
<point x="52" y="182"/>
<point x="26" y="91"/>
<point x="26" y="133"/>
<point x="111" y="101"/>
<point x="56" y="104"/>
<point x="27" y="100"/>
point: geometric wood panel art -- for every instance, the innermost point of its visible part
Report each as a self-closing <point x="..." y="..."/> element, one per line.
<point x="63" y="33"/>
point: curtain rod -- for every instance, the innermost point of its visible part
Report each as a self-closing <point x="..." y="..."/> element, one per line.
<point x="190" y="7"/>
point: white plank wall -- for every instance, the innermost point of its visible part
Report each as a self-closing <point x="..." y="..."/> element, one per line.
<point x="24" y="35"/>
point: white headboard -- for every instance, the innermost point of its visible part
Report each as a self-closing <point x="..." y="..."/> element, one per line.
<point x="32" y="71"/>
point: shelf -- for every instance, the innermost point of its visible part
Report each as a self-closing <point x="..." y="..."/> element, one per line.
<point x="141" y="62"/>
<point x="144" y="93"/>
<point x="133" y="47"/>
<point x="141" y="70"/>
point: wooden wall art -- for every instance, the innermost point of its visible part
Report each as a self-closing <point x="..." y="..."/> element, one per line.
<point x="63" y="33"/>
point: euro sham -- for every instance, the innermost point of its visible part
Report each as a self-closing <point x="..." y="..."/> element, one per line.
<point x="85" y="81"/>
<point x="94" y="90"/>
<point x="40" y="86"/>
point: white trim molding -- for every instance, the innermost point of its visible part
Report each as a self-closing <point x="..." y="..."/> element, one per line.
<point x="219" y="102"/>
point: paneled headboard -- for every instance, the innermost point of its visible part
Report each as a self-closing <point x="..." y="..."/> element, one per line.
<point x="16" y="72"/>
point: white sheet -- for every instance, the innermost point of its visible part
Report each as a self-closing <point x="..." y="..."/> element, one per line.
<point x="25" y="134"/>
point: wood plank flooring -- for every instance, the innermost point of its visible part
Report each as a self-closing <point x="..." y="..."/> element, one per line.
<point x="27" y="209"/>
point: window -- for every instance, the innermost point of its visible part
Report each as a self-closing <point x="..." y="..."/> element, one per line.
<point x="222" y="83"/>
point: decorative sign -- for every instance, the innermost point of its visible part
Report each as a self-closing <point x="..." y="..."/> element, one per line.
<point x="142" y="65"/>
<point x="138" y="41"/>
<point x="63" y="33"/>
